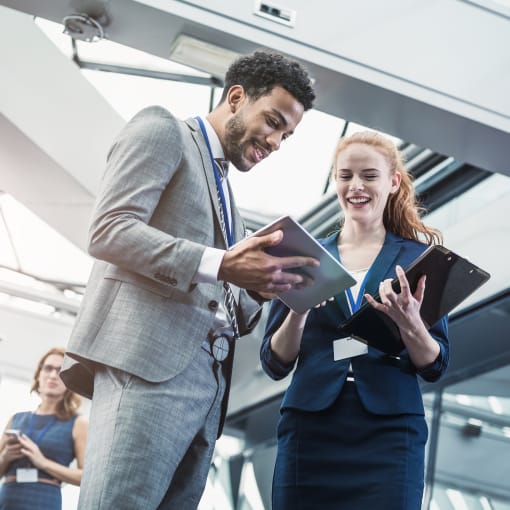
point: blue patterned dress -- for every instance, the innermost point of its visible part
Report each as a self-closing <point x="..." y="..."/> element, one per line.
<point x="55" y="444"/>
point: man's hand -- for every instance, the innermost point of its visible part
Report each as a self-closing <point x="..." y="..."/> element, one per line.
<point x="248" y="266"/>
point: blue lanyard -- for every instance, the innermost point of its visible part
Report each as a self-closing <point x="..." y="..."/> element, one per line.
<point x="230" y="237"/>
<point x="42" y="431"/>
<point x="355" y="305"/>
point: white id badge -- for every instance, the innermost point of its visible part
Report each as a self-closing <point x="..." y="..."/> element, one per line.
<point x="348" y="347"/>
<point x="26" y="475"/>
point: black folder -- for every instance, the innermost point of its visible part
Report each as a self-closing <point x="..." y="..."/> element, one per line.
<point x="450" y="279"/>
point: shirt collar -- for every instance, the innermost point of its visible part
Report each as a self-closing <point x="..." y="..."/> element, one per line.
<point x="215" y="144"/>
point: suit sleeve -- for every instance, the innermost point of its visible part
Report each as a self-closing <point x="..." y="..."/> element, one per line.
<point x="140" y="166"/>
<point x="271" y="365"/>
<point x="436" y="370"/>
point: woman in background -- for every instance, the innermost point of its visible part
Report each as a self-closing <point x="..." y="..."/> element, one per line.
<point x="352" y="431"/>
<point x="37" y="447"/>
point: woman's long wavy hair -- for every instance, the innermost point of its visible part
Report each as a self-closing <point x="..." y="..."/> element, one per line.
<point x="402" y="214"/>
<point x="70" y="403"/>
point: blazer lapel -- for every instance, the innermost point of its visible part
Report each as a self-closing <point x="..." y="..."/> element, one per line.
<point x="330" y="243"/>
<point x="384" y="263"/>
<point x="237" y="221"/>
<point x="196" y="133"/>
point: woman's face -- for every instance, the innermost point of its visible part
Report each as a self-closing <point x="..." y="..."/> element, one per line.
<point x="50" y="383"/>
<point x="364" y="181"/>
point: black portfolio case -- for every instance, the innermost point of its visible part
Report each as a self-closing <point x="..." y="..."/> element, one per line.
<point x="450" y="279"/>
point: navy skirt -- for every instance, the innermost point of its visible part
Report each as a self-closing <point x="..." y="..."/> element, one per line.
<point x="30" y="496"/>
<point x="345" y="458"/>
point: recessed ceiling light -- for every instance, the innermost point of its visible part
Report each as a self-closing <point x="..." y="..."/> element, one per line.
<point x="202" y="55"/>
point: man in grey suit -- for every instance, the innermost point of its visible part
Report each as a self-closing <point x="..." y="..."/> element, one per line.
<point x="172" y="288"/>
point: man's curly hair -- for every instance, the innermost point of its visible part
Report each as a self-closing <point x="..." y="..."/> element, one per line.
<point x="262" y="71"/>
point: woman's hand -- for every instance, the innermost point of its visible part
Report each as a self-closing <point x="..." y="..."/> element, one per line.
<point x="11" y="452"/>
<point x="403" y="308"/>
<point x="30" y="450"/>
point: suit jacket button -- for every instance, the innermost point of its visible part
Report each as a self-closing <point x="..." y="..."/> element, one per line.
<point x="213" y="305"/>
<point x="172" y="281"/>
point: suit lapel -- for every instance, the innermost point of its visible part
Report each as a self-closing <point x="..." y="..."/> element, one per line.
<point x="384" y="263"/>
<point x="237" y="220"/>
<point x="196" y="133"/>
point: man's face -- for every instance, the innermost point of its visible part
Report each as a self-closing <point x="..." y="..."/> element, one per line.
<point x="257" y="128"/>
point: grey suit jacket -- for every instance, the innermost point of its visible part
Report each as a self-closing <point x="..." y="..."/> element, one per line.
<point x="156" y="212"/>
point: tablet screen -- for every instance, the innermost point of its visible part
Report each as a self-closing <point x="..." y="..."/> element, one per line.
<point x="329" y="278"/>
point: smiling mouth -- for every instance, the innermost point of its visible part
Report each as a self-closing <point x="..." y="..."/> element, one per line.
<point x="358" y="200"/>
<point x="260" y="152"/>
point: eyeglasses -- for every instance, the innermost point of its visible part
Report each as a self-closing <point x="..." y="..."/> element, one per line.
<point x="48" y="369"/>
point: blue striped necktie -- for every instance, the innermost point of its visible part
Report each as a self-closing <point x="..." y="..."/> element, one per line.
<point x="230" y="303"/>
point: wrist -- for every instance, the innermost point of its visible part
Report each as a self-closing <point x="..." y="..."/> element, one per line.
<point x="415" y="332"/>
<point x="42" y="464"/>
<point x="222" y="274"/>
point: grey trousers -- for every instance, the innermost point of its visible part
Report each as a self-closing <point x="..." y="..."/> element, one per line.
<point x="150" y="445"/>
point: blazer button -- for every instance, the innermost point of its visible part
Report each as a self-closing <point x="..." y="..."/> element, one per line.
<point x="213" y="305"/>
<point x="172" y="281"/>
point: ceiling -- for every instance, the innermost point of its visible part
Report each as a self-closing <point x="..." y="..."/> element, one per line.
<point x="406" y="76"/>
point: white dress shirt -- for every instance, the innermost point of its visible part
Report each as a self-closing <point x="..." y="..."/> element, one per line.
<point x="209" y="266"/>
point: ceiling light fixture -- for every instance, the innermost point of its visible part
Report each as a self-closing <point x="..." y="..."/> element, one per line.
<point x="202" y="55"/>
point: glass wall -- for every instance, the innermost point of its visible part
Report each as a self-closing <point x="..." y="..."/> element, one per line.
<point x="472" y="459"/>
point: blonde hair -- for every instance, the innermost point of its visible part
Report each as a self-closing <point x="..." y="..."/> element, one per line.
<point x="71" y="401"/>
<point x="402" y="213"/>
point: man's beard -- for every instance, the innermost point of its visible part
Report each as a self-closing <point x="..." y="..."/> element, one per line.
<point x="235" y="130"/>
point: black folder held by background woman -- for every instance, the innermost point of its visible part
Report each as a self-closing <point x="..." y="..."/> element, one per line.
<point x="450" y="279"/>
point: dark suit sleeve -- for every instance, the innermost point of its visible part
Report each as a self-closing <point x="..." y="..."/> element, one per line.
<point x="271" y="365"/>
<point x="436" y="370"/>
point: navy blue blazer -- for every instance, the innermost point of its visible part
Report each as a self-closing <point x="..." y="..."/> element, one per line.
<point x="386" y="384"/>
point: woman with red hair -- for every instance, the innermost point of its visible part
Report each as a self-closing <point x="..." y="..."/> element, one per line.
<point x="352" y="432"/>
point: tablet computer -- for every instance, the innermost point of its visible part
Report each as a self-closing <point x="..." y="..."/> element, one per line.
<point x="329" y="278"/>
<point x="450" y="279"/>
